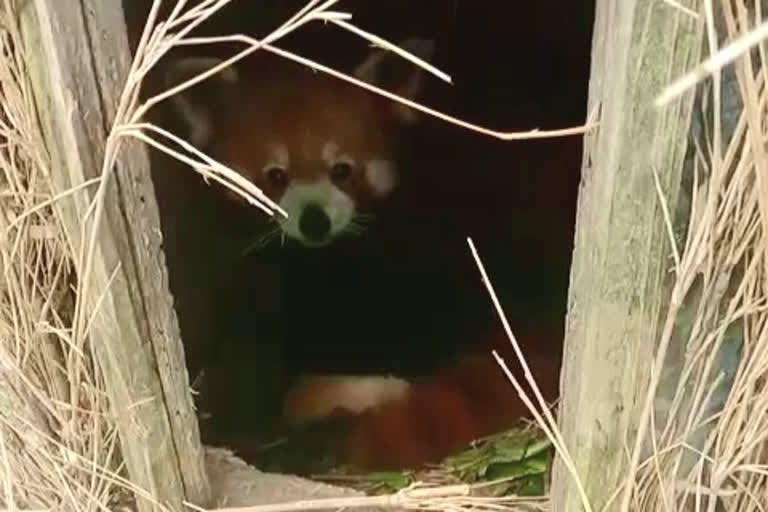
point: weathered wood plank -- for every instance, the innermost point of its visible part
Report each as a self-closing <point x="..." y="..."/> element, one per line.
<point x="78" y="59"/>
<point x="621" y="253"/>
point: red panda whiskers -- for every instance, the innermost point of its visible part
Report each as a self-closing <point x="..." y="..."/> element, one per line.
<point x="359" y="224"/>
<point x="273" y="232"/>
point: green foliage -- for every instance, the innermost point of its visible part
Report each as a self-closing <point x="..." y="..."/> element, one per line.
<point x="514" y="462"/>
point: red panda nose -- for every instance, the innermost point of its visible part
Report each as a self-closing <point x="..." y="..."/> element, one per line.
<point x="314" y="223"/>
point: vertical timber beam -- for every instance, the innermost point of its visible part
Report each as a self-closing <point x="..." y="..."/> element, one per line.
<point x="622" y="253"/>
<point x="77" y="60"/>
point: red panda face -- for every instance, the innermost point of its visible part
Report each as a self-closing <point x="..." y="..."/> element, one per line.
<point x="323" y="149"/>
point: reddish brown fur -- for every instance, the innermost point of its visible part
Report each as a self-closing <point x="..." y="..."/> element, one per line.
<point x="283" y="103"/>
<point x="441" y="414"/>
<point x="464" y="403"/>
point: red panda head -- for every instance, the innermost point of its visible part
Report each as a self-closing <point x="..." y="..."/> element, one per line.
<point x="323" y="149"/>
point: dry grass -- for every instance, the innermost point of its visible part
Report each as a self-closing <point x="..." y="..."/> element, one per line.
<point x="53" y="432"/>
<point x="703" y="443"/>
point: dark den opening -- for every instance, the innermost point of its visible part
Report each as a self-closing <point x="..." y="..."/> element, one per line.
<point x="397" y="293"/>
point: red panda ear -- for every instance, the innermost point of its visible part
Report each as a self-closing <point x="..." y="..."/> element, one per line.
<point x="197" y="103"/>
<point x="393" y="73"/>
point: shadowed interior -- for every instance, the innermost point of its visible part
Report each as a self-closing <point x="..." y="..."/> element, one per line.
<point x="406" y="296"/>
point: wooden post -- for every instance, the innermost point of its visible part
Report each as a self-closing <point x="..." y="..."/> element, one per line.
<point x="622" y="251"/>
<point x="78" y="58"/>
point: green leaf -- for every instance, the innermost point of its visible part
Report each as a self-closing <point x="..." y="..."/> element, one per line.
<point x="532" y="486"/>
<point x="394" y="480"/>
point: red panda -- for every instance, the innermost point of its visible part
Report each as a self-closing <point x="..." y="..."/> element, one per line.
<point x="326" y="152"/>
<point x="395" y="424"/>
<point x="323" y="149"/>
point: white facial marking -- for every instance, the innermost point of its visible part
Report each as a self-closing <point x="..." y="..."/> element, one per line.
<point x="331" y="155"/>
<point x="197" y="116"/>
<point x="381" y="176"/>
<point x="316" y="397"/>
<point x="338" y="206"/>
<point x="279" y="157"/>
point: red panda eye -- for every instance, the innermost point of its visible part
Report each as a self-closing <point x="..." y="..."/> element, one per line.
<point x="340" y="172"/>
<point x="277" y="177"/>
